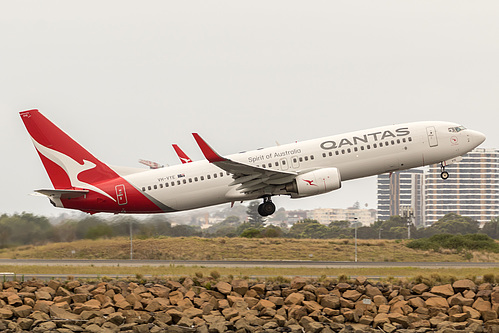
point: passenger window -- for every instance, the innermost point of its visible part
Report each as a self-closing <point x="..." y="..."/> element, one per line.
<point x="337" y="152"/>
<point x="355" y="149"/>
<point x="263" y="166"/>
<point x="184" y="181"/>
<point x="173" y="183"/>
<point x="195" y="179"/>
<point x="349" y="150"/>
<point x="190" y="180"/>
<point x="160" y="185"/>
<point x="306" y="158"/>
<point x="149" y="188"/>
<point x="208" y="177"/>
<point x="361" y="147"/>
<point x="375" y="145"/>
<point x="403" y="140"/>
<point x="143" y="189"/>
<point x="368" y="146"/>
<point x="270" y="165"/>
<point x="178" y="182"/>
<point x="221" y="174"/>
<point x="283" y="162"/>
<point x="311" y="157"/>
<point x="410" y="139"/>
<point x="381" y="144"/>
<point x="276" y="164"/>
<point x="202" y="178"/>
<point x="343" y="151"/>
<point x="324" y="154"/>
<point x="300" y="159"/>
<point x="214" y="175"/>
<point x="398" y="141"/>
<point x="294" y="159"/>
<point x="166" y="184"/>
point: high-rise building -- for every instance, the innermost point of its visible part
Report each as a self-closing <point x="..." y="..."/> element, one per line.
<point x="401" y="191"/>
<point x="472" y="189"/>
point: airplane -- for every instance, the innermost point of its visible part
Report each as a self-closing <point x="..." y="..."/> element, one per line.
<point x="181" y="155"/>
<point x="151" y="164"/>
<point x="300" y="169"/>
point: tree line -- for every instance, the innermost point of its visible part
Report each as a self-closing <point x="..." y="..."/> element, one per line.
<point x="25" y="228"/>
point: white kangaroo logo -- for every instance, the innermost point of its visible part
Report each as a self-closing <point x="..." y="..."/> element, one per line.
<point x="72" y="167"/>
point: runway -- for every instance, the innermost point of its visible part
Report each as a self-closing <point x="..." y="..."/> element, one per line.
<point x="243" y="263"/>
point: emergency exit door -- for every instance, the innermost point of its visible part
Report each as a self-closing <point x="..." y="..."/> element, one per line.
<point x="121" y="195"/>
<point x="432" y="136"/>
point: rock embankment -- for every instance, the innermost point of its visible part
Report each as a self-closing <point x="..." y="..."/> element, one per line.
<point x="245" y="306"/>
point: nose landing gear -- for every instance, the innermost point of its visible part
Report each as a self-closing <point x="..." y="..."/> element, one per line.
<point x="444" y="174"/>
<point x="267" y="207"/>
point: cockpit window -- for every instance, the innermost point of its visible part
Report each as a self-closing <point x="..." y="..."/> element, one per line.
<point x="456" y="129"/>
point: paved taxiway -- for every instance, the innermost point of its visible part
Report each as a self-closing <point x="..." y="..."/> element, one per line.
<point x="245" y="263"/>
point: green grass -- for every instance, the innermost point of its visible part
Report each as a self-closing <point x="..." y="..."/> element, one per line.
<point x="195" y="248"/>
<point x="428" y="275"/>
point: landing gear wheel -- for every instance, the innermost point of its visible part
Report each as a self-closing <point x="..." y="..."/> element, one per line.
<point x="267" y="207"/>
<point x="444" y="174"/>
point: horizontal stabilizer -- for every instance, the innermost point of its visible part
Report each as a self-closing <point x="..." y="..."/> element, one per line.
<point x="63" y="194"/>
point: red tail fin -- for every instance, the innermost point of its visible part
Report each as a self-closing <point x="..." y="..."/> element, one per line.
<point x="68" y="164"/>
<point x="181" y="155"/>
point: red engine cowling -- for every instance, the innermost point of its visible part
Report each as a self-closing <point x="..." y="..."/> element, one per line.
<point x="314" y="182"/>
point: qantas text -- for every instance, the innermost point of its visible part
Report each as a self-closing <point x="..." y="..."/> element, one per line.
<point x="366" y="138"/>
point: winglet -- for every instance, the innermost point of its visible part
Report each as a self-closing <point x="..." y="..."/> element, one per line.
<point x="208" y="152"/>
<point x="181" y="155"/>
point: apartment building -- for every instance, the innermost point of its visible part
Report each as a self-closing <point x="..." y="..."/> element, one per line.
<point x="471" y="190"/>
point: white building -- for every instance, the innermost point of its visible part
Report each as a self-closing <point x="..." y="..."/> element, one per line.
<point x="472" y="189"/>
<point x="327" y="215"/>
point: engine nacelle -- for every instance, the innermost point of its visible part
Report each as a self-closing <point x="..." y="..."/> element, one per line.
<point x="315" y="182"/>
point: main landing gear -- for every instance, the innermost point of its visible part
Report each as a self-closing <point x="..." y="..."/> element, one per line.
<point x="444" y="174"/>
<point x="267" y="207"/>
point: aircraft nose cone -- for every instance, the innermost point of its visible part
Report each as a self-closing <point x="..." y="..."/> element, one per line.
<point x="478" y="137"/>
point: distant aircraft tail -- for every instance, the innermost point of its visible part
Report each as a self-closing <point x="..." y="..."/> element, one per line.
<point x="181" y="155"/>
<point x="68" y="164"/>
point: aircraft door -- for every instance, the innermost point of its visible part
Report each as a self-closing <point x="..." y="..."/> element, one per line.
<point x="284" y="164"/>
<point x="432" y="136"/>
<point x="121" y="195"/>
<point x="295" y="163"/>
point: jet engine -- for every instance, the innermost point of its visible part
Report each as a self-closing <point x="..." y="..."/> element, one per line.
<point x="314" y="182"/>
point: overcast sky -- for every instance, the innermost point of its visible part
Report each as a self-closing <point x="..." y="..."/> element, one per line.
<point x="126" y="79"/>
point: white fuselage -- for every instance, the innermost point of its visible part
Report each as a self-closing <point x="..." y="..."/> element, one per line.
<point x="356" y="155"/>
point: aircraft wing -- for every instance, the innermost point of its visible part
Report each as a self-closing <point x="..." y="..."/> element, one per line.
<point x="249" y="178"/>
<point x="63" y="194"/>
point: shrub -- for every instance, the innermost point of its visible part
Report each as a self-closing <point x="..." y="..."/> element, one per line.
<point x="489" y="278"/>
<point x="470" y="242"/>
<point x="215" y="275"/>
<point x="342" y="278"/>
